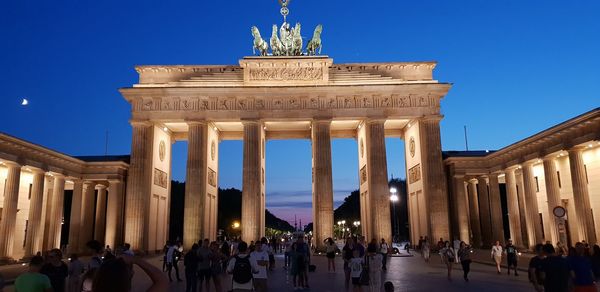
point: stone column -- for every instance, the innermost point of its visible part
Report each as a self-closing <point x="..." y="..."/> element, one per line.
<point x="474" y="217"/>
<point x="434" y="179"/>
<point x="100" y="226"/>
<point x="138" y="186"/>
<point x="484" y="212"/>
<point x="462" y="209"/>
<point x="114" y="213"/>
<point x="522" y="208"/>
<point x="34" y="236"/>
<point x="496" y="209"/>
<point x="9" y="211"/>
<point x="512" y="200"/>
<point x="251" y="197"/>
<point x="378" y="181"/>
<point x="75" y="222"/>
<point x="552" y="195"/>
<point x="323" y="185"/>
<point x="56" y="217"/>
<point x="86" y="230"/>
<point x="534" y="225"/>
<point x="195" y="184"/>
<point x="581" y="196"/>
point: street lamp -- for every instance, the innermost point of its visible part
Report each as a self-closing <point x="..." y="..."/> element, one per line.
<point x="235" y="225"/>
<point x="394" y="198"/>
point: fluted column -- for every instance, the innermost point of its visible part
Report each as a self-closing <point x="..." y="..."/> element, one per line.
<point x="514" y="218"/>
<point x="56" y="217"/>
<point x="251" y="197"/>
<point x="114" y="213"/>
<point x="581" y="196"/>
<point x="496" y="209"/>
<point x="86" y="230"/>
<point x="434" y="179"/>
<point x="474" y="211"/>
<point x="462" y="209"/>
<point x="34" y="236"/>
<point x="323" y="185"/>
<point x="195" y="184"/>
<point x="100" y="226"/>
<point x="522" y="208"/>
<point x="534" y="225"/>
<point x="75" y="221"/>
<point x="9" y="210"/>
<point x="484" y="211"/>
<point x="552" y="195"/>
<point x="138" y="186"/>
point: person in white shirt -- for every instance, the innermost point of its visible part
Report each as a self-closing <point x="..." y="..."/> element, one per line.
<point x="375" y="264"/>
<point x="241" y="273"/>
<point x="384" y="250"/>
<point x="456" y="245"/>
<point x="261" y="257"/>
<point x="330" y="252"/>
<point x="497" y="255"/>
<point x="448" y="254"/>
<point x="356" y="270"/>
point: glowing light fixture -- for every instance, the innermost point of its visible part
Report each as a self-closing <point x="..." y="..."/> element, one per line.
<point x="165" y="129"/>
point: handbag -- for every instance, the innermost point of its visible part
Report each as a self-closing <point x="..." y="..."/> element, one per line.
<point x="364" y="275"/>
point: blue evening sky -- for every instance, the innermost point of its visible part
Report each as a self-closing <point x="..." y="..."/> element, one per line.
<point x="518" y="67"/>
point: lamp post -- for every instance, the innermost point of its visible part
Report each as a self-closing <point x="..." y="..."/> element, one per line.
<point x="356" y="225"/>
<point x="393" y="199"/>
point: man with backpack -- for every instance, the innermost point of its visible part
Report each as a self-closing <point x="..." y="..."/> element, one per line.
<point x="242" y="267"/>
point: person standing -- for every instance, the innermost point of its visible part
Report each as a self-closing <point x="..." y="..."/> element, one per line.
<point x="304" y="259"/>
<point x="172" y="259"/>
<point x="512" y="256"/>
<point x="33" y="280"/>
<point x="241" y="266"/>
<point x="375" y="264"/>
<point x="497" y="255"/>
<point x="330" y="252"/>
<point x="555" y="271"/>
<point x="347" y="255"/>
<point x="425" y="249"/>
<point x="464" y="256"/>
<point x="384" y="250"/>
<point x="75" y="273"/>
<point x="261" y="257"/>
<point x="440" y="246"/>
<point x="581" y="270"/>
<point x="356" y="270"/>
<point x="448" y="255"/>
<point x="535" y="268"/>
<point x="204" y="255"/>
<point x="456" y="245"/>
<point x="56" y="270"/>
<point x="190" y="262"/>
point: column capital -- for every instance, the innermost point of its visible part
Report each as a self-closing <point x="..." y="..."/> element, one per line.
<point x="89" y="183"/>
<point x="101" y="186"/>
<point x="114" y="181"/>
<point x="251" y="122"/>
<point x="576" y="149"/>
<point x="76" y="180"/>
<point x="370" y="121"/>
<point x="196" y="122"/>
<point x="459" y="176"/>
<point x="321" y="120"/>
<point x="436" y="118"/>
<point x="36" y="170"/>
<point x="140" y="123"/>
<point x="11" y="164"/>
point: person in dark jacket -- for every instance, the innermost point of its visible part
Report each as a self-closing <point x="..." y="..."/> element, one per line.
<point x="56" y="270"/>
<point x="190" y="261"/>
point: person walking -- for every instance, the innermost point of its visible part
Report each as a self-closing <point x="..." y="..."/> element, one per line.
<point x="293" y="266"/>
<point x="330" y="252"/>
<point x="204" y="255"/>
<point x="347" y="255"/>
<point x="456" y="245"/>
<point x="512" y="256"/>
<point x="497" y="255"/>
<point x="261" y="257"/>
<point x="425" y="249"/>
<point x="172" y="260"/>
<point x="190" y="262"/>
<point x="217" y="259"/>
<point x="375" y="263"/>
<point x="384" y="250"/>
<point x="440" y="246"/>
<point x="75" y="272"/>
<point x="356" y="264"/>
<point x="581" y="270"/>
<point x="535" y="268"/>
<point x="56" y="270"/>
<point x="448" y="255"/>
<point x="464" y="256"/>
<point x="242" y="267"/>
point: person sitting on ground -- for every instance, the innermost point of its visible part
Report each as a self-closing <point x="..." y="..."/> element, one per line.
<point x="115" y="275"/>
<point x="33" y="280"/>
<point x="241" y="266"/>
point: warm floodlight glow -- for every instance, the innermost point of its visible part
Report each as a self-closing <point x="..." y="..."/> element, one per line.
<point x="165" y="129"/>
<point x="394" y="198"/>
<point x="393" y="190"/>
<point x="24" y="101"/>
<point x="236" y="225"/>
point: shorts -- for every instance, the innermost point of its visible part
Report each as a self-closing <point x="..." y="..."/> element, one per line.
<point x="512" y="262"/>
<point x="204" y="274"/>
<point x="331" y="255"/>
<point x="356" y="281"/>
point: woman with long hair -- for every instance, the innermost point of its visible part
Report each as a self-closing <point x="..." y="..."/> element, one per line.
<point x="330" y="252"/>
<point x="448" y="255"/>
<point x="347" y="255"/>
<point x="464" y="256"/>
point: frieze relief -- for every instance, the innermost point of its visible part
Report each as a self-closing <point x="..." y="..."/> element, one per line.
<point x="284" y="103"/>
<point x="286" y="74"/>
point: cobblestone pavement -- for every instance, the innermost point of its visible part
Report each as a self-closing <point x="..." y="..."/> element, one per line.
<point x="407" y="274"/>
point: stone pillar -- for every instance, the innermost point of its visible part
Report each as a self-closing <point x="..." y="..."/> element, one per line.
<point x="34" y="236"/>
<point x="522" y="208"/>
<point x="46" y="245"/>
<point x="251" y="197"/>
<point x="9" y="211"/>
<point x="86" y="230"/>
<point x="434" y="179"/>
<point x="322" y="182"/>
<point x="114" y="214"/>
<point x="462" y="209"/>
<point x="56" y="217"/>
<point x="534" y="225"/>
<point x="138" y="186"/>
<point x="512" y="200"/>
<point x="581" y="196"/>
<point x="100" y="226"/>
<point x="474" y="217"/>
<point x="552" y="195"/>
<point x="195" y="185"/>
<point x="484" y="212"/>
<point x="496" y="209"/>
<point x="75" y="222"/>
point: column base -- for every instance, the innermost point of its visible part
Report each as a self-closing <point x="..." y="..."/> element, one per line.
<point x="7" y="261"/>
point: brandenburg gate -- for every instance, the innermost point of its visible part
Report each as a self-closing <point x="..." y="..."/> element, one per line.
<point x="283" y="97"/>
